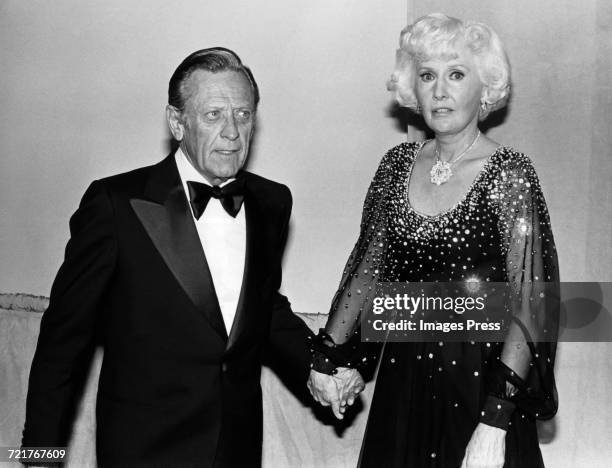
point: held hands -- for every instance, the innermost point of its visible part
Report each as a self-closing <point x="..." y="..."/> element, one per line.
<point x="486" y="448"/>
<point x="337" y="390"/>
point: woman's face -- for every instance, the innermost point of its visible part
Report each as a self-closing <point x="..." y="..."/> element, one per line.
<point x="449" y="92"/>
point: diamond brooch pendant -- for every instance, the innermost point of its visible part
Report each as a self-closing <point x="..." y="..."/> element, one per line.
<point x="440" y="172"/>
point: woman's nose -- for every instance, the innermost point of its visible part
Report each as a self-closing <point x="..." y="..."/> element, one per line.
<point x="439" y="91"/>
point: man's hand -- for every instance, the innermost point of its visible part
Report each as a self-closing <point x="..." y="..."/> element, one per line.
<point x="486" y="448"/>
<point x="337" y="390"/>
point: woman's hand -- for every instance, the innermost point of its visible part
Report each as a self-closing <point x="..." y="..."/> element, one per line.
<point x="337" y="390"/>
<point x="486" y="448"/>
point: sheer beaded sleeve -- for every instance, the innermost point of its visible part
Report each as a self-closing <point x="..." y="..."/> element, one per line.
<point x="525" y="372"/>
<point x="363" y="270"/>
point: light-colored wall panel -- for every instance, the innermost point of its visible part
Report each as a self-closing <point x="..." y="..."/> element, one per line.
<point x="558" y="106"/>
<point x="559" y="115"/>
<point x="83" y="90"/>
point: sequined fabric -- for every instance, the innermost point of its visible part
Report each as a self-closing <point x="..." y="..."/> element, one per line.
<point x="429" y="397"/>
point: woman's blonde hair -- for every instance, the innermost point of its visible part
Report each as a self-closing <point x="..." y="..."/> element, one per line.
<point x="436" y="35"/>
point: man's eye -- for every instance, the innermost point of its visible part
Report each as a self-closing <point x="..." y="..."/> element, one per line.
<point x="244" y="115"/>
<point x="212" y="115"/>
<point x="426" y="76"/>
<point x="457" y="75"/>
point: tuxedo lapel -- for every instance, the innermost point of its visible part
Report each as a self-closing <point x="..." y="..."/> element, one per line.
<point x="253" y="216"/>
<point x="165" y="215"/>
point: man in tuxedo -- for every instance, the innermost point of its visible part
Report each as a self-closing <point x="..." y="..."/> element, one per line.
<point x="175" y="269"/>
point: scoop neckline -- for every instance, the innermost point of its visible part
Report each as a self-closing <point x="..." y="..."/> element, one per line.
<point x="461" y="200"/>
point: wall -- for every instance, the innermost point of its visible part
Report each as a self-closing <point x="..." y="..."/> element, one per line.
<point x="559" y="115"/>
<point x="83" y="91"/>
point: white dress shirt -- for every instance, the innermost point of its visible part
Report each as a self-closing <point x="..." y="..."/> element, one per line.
<point x="223" y="239"/>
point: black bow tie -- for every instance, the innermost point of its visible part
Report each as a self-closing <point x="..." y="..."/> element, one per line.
<point x="231" y="196"/>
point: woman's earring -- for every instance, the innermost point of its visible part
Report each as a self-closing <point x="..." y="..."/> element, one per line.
<point x="483" y="105"/>
<point x="418" y="109"/>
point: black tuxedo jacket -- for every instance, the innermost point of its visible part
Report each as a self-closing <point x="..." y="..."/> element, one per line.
<point x="174" y="389"/>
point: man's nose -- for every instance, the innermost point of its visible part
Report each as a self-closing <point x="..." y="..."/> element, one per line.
<point x="230" y="129"/>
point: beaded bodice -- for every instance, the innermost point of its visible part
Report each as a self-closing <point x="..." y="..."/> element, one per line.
<point x="460" y="243"/>
<point x="499" y="232"/>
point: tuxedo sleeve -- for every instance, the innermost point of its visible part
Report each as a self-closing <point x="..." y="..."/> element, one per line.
<point x="288" y="343"/>
<point x="67" y="328"/>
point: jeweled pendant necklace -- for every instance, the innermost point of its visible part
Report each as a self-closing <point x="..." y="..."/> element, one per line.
<point x="441" y="170"/>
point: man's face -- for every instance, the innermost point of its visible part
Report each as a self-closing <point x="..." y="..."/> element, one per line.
<point x="216" y="125"/>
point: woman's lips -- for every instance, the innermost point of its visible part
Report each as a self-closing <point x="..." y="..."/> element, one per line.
<point x="441" y="112"/>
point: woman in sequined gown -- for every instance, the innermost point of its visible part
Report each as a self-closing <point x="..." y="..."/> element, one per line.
<point x="450" y="404"/>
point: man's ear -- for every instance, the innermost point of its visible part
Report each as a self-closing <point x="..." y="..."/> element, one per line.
<point x="173" y="117"/>
<point x="253" y="128"/>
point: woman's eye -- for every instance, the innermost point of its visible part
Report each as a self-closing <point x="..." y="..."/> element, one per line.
<point x="427" y="76"/>
<point x="457" y="75"/>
